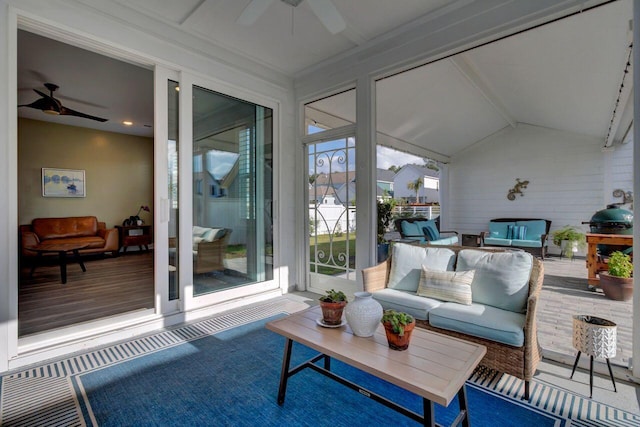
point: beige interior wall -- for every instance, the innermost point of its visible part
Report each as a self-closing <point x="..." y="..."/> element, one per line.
<point x="118" y="172"/>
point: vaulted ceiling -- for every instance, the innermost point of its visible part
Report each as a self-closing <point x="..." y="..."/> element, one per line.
<point x="563" y="75"/>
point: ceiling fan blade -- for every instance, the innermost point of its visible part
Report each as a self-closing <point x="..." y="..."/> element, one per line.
<point x="253" y="11"/>
<point x="328" y="14"/>
<point x="39" y="104"/>
<point x="64" y="111"/>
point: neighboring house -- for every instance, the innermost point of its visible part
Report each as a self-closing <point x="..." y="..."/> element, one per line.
<point x="408" y="174"/>
<point x="384" y="188"/>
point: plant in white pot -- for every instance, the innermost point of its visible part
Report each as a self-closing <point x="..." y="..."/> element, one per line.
<point x="617" y="283"/>
<point x="569" y="239"/>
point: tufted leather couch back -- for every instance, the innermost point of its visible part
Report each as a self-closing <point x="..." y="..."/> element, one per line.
<point x="56" y="228"/>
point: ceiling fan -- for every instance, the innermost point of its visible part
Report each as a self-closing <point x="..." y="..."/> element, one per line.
<point x="325" y="10"/>
<point x="50" y="105"/>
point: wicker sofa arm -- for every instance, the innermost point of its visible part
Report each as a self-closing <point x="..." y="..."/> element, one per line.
<point x="375" y="278"/>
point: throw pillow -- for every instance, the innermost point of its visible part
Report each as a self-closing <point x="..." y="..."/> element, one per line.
<point x="429" y="233"/>
<point x="453" y="286"/>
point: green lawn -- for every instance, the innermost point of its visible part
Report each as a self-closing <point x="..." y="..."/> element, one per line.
<point x="332" y="245"/>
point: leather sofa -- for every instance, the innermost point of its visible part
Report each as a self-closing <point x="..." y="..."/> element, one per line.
<point x="83" y="229"/>
<point x="499" y="313"/>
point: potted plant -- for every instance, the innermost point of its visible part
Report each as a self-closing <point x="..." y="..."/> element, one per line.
<point x="398" y="327"/>
<point x="617" y="283"/>
<point x="569" y="239"/>
<point x="332" y="305"/>
<point x="385" y="209"/>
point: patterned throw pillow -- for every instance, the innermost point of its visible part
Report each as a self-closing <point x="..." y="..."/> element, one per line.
<point x="454" y="286"/>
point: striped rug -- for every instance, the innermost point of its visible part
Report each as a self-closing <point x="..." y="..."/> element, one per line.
<point x="47" y="395"/>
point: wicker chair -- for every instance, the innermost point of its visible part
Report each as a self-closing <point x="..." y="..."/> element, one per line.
<point x="521" y="362"/>
<point x="209" y="256"/>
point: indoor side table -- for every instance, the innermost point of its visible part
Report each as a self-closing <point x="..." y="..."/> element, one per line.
<point x="595" y="337"/>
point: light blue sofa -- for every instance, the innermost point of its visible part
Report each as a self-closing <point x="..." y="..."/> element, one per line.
<point x="502" y="310"/>
<point x="530" y="234"/>
<point x="425" y="231"/>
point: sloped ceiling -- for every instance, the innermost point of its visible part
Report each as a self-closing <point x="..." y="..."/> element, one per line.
<point x="284" y="38"/>
<point x="564" y="75"/>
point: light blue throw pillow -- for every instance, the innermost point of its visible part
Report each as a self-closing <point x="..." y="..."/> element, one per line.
<point x="501" y="279"/>
<point x="407" y="261"/>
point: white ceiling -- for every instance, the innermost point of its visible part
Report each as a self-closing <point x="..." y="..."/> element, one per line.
<point x="564" y="75"/>
<point x="284" y="38"/>
<point x="89" y="83"/>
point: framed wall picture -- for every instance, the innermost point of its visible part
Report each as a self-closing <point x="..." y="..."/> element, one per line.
<point x="63" y="182"/>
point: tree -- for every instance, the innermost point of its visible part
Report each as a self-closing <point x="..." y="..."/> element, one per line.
<point x="312" y="178"/>
<point x="415" y="186"/>
<point x="394" y="168"/>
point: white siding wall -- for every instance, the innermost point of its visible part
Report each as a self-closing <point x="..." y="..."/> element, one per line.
<point x="564" y="170"/>
<point x="621" y="172"/>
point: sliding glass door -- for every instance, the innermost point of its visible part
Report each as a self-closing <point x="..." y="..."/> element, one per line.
<point x="232" y="183"/>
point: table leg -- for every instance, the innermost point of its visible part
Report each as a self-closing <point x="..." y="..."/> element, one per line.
<point x="63" y="265"/>
<point x="462" y="400"/>
<point x="284" y="373"/>
<point x="590" y="377"/>
<point x="35" y="264"/>
<point x="429" y="412"/>
<point x="575" y="364"/>
<point x="76" y="254"/>
<point x="611" y="375"/>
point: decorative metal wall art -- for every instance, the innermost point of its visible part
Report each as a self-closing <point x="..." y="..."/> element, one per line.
<point x="517" y="189"/>
<point x="627" y="197"/>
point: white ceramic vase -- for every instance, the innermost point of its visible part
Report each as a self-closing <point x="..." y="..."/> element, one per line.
<point x="363" y="314"/>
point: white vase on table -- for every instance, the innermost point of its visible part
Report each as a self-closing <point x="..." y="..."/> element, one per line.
<point x="363" y="314"/>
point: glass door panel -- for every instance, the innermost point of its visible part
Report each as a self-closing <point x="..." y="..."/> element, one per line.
<point x="232" y="192"/>
<point x="172" y="173"/>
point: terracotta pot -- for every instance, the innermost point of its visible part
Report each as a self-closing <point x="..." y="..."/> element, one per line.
<point x="332" y="312"/>
<point x="397" y="342"/>
<point x="616" y="288"/>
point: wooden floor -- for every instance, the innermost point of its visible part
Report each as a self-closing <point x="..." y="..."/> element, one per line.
<point x="109" y="286"/>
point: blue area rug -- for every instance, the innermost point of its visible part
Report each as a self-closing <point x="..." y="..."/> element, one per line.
<point x="231" y="379"/>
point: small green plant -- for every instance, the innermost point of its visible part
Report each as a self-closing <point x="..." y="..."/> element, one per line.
<point x="397" y="319"/>
<point x="333" y="296"/>
<point x="620" y="265"/>
<point x="570" y="234"/>
<point x="574" y="238"/>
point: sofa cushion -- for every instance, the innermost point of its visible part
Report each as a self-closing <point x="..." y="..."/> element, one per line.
<point x="499" y="229"/>
<point x="501" y="279"/>
<point x="407" y="259"/>
<point x="92" y="242"/>
<point x="527" y="243"/>
<point x="481" y="321"/>
<point x="412" y="231"/>
<point x="405" y="301"/>
<point x="56" y="228"/>
<point x="446" y="241"/>
<point x="454" y="286"/>
<point x="496" y="241"/>
<point x="198" y="231"/>
<point x="213" y="234"/>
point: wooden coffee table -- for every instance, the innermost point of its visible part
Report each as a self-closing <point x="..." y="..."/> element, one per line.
<point x="62" y="250"/>
<point x="434" y="366"/>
